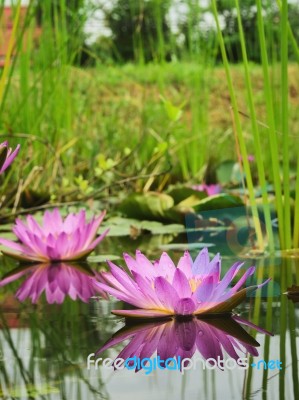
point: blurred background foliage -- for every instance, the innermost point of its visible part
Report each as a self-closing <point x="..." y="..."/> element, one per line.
<point x="111" y="97"/>
<point x="143" y="30"/>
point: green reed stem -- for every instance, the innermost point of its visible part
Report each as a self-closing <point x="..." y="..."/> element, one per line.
<point x="283" y="327"/>
<point x="271" y="123"/>
<point x="10" y="48"/>
<point x="287" y="315"/>
<point x="269" y="315"/>
<point x="285" y="123"/>
<point x="256" y="133"/>
<point x="294" y="351"/>
<point x="239" y="133"/>
<point x="296" y="217"/>
<point x="292" y="333"/>
<point x="255" y="319"/>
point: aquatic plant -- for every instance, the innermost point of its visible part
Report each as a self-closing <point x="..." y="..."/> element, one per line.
<point x="7" y="155"/>
<point x="209" y="189"/>
<point x="162" y="289"/>
<point x="56" y="280"/>
<point x="56" y="239"/>
<point x="273" y="163"/>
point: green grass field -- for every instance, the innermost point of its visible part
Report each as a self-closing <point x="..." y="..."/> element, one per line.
<point x="114" y="110"/>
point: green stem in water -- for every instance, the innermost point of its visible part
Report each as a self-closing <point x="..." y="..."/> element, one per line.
<point x="285" y="124"/>
<point x="239" y="133"/>
<point x="256" y="134"/>
<point x="271" y="122"/>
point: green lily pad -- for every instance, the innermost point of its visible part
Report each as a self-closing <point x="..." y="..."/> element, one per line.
<point x="120" y="226"/>
<point x="161" y="229"/>
<point x="190" y="202"/>
<point x="219" y="201"/>
<point x="103" y="258"/>
<point x="182" y="193"/>
<point x="185" y="246"/>
<point x="150" y="206"/>
<point x="178" y="213"/>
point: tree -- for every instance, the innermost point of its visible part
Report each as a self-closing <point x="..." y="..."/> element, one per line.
<point x="139" y="29"/>
<point x="192" y="31"/>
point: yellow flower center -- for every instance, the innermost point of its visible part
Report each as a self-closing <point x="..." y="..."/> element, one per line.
<point x="194" y="283"/>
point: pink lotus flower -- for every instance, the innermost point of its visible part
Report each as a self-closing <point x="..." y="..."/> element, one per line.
<point x="161" y="289"/>
<point x="56" y="239"/>
<point x="7" y="156"/>
<point x="211" y="190"/>
<point x="56" y="280"/>
<point x="175" y="338"/>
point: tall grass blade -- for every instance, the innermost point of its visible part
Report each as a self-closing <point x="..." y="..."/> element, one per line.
<point x="256" y="133"/>
<point x="285" y="124"/>
<point x="10" y="48"/>
<point x="239" y="132"/>
<point x="271" y="122"/>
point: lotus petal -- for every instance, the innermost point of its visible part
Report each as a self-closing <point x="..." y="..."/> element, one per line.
<point x="161" y="288"/>
<point x="55" y="239"/>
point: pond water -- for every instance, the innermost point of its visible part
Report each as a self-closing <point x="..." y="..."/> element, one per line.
<point x="44" y="348"/>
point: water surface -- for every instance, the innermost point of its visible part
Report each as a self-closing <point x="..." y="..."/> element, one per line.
<point x="44" y="348"/>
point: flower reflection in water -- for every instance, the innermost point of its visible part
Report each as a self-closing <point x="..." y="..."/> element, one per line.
<point x="175" y="338"/>
<point x="57" y="281"/>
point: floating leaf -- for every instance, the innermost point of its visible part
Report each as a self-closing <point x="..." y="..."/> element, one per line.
<point x="103" y="258"/>
<point x="160" y="229"/>
<point x="190" y="202"/>
<point x="151" y="205"/>
<point x="120" y="226"/>
<point x="185" y="246"/>
<point x="181" y="193"/>
<point x="219" y="201"/>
